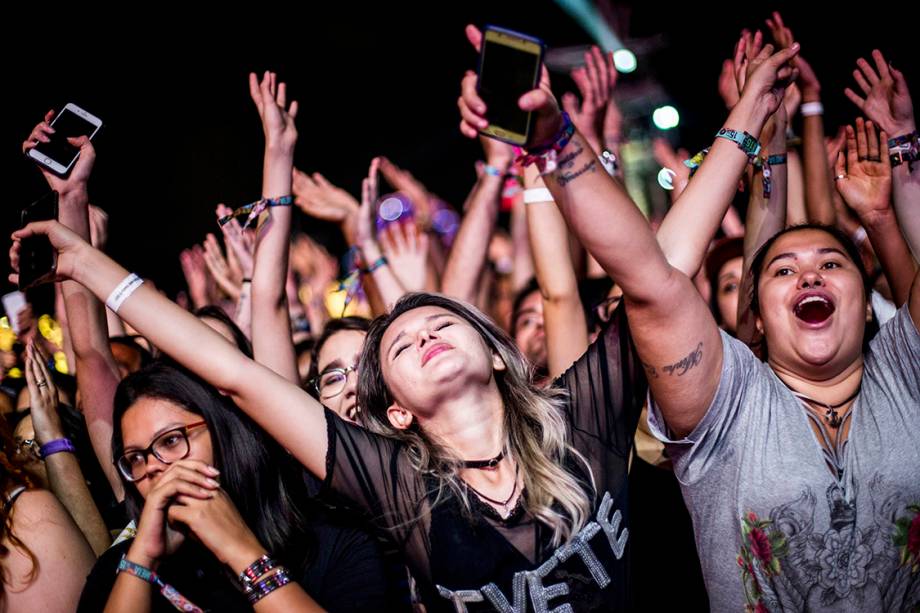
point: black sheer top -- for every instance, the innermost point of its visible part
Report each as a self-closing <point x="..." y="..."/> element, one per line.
<point x="486" y="563"/>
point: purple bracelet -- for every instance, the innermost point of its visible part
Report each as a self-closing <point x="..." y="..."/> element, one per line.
<point x="56" y="446"/>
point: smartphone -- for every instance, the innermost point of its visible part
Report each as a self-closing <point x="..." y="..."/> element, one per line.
<point x="13" y="303"/>
<point x="58" y="155"/>
<point x="509" y="67"/>
<point x="37" y="258"/>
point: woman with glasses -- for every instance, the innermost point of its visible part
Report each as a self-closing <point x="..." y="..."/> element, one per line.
<point x="216" y="499"/>
<point x="333" y="376"/>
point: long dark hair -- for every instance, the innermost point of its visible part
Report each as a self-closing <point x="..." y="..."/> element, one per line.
<point x="261" y="479"/>
<point x="852" y="251"/>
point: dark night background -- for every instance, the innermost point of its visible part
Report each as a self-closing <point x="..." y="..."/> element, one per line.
<point x="181" y="133"/>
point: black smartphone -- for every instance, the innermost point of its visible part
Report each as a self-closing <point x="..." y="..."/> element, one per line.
<point x="37" y="258"/>
<point x="58" y="155"/>
<point x="509" y="67"/>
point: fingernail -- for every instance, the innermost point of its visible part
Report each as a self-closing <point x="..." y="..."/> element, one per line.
<point x="213" y="483"/>
<point x="213" y="470"/>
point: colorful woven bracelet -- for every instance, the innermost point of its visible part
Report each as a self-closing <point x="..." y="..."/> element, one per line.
<point x="378" y="263"/>
<point x="256" y="570"/>
<point x="176" y="599"/>
<point x="904" y="148"/>
<point x="254" y="209"/>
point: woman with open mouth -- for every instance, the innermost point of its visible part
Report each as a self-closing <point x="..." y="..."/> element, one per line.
<point x="801" y="472"/>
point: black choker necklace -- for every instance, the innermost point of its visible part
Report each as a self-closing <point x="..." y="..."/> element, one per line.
<point x="831" y="417"/>
<point x="489" y="464"/>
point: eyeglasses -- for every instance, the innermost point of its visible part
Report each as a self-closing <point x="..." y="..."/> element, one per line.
<point x="169" y="447"/>
<point x="605" y="308"/>
<point x="331" y="383"/>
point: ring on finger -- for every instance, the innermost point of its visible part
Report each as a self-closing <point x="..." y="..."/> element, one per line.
<point x="838" y="177"/>
<point x="42" y="383"/>
<point x="874" y="158"/>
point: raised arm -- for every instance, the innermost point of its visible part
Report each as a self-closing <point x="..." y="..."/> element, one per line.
<point x="97" y="372"/>
<point x="467" y="257"/>
<point x="64" y="475"/>
<point x="693" y="220"/>
<point x="272" y="343"/>
<point x="284" y="410"/>
<point x="864" y="182"/>
<point x="819" y="204"/>
<point x="563" y="316"/>
<point x="888" y="104"/>
<point x="376" y="266"/>
<point x="675" y="334"/>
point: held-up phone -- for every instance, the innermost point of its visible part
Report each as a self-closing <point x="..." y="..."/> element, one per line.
<point x="509" y="67"/>
<point x="37" y="258"/>
<point x="13" y="303"/>
<point x="58" y="155"/>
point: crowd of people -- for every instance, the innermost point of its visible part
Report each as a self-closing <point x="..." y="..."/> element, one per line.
<point x="587" y="410"/>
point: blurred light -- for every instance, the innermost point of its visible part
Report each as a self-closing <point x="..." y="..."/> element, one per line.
<point x="391" y="209"/>
<point x="624" y="60"/>
<point x="665" y="117"/>
<point x="665" y="178"/>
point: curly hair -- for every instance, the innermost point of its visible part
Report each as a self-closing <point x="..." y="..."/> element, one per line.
<point x="12" y="476"/>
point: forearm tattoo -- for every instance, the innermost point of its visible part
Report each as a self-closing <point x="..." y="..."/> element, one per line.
<point x="565" y="174"/>
<point x="681" y="368"/>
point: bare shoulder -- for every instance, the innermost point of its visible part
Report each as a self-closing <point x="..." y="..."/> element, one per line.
<point x="50" y="552"/>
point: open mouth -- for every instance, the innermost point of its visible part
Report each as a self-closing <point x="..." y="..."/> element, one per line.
<point x="813" y="308"/>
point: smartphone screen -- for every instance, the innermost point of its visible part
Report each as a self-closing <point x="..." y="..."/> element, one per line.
<point x="66" y="125"/>
<point x="509" y="68"/>
<point x="36" y="255"/>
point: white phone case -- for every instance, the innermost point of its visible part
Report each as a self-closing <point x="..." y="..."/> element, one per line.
<point x="56" y="165"/>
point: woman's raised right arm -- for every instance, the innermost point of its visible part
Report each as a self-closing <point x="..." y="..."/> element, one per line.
<point x="285" y="411"/>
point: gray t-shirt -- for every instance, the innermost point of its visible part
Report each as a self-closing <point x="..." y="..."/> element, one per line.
<point x="774" y="529"/>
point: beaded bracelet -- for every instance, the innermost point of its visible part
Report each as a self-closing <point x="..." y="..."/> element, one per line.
<point x="263" y="588"/>
<point x="256" y="570"/>
<point x="176" y="599"/>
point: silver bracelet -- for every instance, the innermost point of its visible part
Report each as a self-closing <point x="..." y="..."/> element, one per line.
<point x="123" y="291"/>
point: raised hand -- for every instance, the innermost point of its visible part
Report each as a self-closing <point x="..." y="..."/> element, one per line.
<point x="807" y="81"/>
<point x="195" y="271"/>
<point x="270" y="98"/>
<point x="241" y="243"/>
<point x="863" y="176"/>
<point x="540" y="101"/>
<point x="43" y="396"/>
<point x="82" y="168"/>
<point x="220" y="269"/>
<point x="319" y="198"/>
<point x="763" y="77"/>
<point x="367" y="217"/>
<point x="887" y="100"/>
<point x="65" y="242"/>
<point x="728" y="84"/>
<point x="406" y="249"/>
<point x="595" y="81"/>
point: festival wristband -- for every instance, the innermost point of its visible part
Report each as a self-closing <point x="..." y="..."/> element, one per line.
<point x="808" y="109"/>
<point x="378" y="263"/>
<point x="904" y="148"/>
<point x="123" y="291"/>
<point x="774" y="160"/>
<point x="609" y="161"/>
<point x="254" y="209"/>
<point x="493" y="171"/>
<point x="747" y="143"/>
<point x="56" y="446"/>
<point x="176" y="599"/>
<point x="537" y="194"/>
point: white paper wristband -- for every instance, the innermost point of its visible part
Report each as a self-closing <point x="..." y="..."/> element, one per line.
<point x="537" y="194"/>
<point x="811" y="108"/>
<point x="123" y="291"/>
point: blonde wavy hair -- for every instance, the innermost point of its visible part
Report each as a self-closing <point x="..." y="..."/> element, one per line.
<point x="534" y="424"/>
